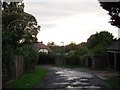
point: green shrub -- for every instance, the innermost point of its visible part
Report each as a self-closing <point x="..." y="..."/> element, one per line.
<point x="99" y="50"/>
<point x="46" y="58"/>
<point x="72" y="60"/>
<point x="30" y="56"/>
<point x="82" y="51"/>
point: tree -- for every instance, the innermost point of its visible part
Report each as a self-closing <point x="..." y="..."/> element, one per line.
<point x="51" y="44"/>
<point x="71" y="46"/>
<point x="98" y="42"/>
<point x="113" y="9"/>
<point x="30" y="56"/>
<point x="19" y="25"/>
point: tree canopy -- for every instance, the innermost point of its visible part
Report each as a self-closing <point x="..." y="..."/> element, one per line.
<point x="18" y="26"/>
<point x="99" y="42"/>
<point x="51" y="44"/>
<point x="113" y="9"/>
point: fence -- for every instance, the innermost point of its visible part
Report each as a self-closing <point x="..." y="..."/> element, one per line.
<point x="16" y="69"/>
<point x="19" y="65"/>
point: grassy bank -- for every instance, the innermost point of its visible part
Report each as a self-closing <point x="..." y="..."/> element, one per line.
<point x="29" y="80"/>
<point x="114" y="82"/>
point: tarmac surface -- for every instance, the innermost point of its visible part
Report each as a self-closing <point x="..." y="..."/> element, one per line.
<point x="59" y="78"/>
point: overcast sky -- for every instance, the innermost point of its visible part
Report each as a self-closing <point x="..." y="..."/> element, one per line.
<point x="69" y="20"/>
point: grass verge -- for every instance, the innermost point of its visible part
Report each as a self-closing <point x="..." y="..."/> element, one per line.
<point x="114" y="82"/>
<point x="29" y="80"/>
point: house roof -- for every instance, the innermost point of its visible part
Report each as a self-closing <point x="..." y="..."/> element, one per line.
<point x="115" y="46"/>
<point x="40" y="45"/>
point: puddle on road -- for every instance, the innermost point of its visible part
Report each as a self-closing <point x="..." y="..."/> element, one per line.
<point x="69" y="74"/>
<point x="77" y="83"/>
<point x="71" y="71"/>
<point x="59" y="72"/>
<point x="64" y="75"/>
<point x="61" y="83"/>
<point x="83" y="79"/>
<point x="85" y="87"/>
<point x="72" y="78"/>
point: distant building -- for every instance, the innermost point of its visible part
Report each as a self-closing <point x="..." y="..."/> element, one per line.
<point x="40" y="47"/>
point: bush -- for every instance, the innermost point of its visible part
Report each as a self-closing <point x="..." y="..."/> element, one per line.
<point x="46" y="58"/>
<point x="30" y="56"/>
<point x="99" y="50"/>
<point x="72" y="60"/>
<point x="82" y="51"/>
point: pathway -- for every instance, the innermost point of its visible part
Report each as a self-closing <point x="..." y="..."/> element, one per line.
<point x="65" y="78"/>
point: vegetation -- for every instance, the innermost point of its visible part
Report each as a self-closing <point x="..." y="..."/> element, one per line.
<point x="46" y="58"/>
<point x="72" y="60"/>
<point x="113" y="9"/>
<point x="76" y="54"/>
<point x="19" y="31"/>
<point x="97" y="43"/>
<point x="114" y="82"/>
<point x="30" y="56"/>
<point x="29" y="80"/>
<point x="18" y="27"/>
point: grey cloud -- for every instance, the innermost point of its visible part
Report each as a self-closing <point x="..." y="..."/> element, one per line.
<point x="56" y="10"/>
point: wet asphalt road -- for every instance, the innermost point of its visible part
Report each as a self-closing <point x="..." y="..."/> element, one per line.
<point x="75" y="79"/>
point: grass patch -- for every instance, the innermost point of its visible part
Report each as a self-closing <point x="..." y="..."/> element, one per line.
<point x="29" y="80"/>
<point x="114" y="82"/>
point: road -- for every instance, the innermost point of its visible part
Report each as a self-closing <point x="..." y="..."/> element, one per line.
<point x="76" y="79"/>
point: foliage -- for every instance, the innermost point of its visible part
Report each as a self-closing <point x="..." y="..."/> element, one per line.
<point x="114" y="82"/>
<point x="72" y="60"/>
<point x="30" y="56"/>
<point x="20" y="26"/>
<point x="113" y="9"/>
<point x="82" y="51"/>
<point x="17" y="27"/>
<point x="29" y="80"/>
<point x="71" y="46"/>
<point x="13" y="6"/>
<point x="51" y="44"/>
<point x="46" y="58"/>
<point x="97" y="43"/>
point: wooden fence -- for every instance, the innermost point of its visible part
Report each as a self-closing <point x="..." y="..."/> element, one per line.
<point x="16" y="69"/>
<point x="19" y="65"/>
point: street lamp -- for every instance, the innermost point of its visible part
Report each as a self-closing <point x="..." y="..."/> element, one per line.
<point x="63" y="52"/>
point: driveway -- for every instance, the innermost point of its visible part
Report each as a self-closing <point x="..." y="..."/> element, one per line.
<point x="76" y="79"/>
